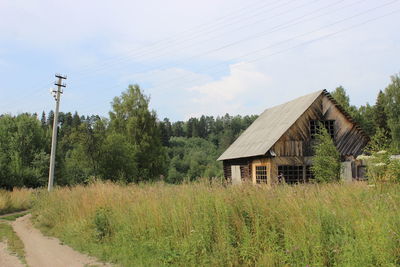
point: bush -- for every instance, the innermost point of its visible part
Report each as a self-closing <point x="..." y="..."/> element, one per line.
<point x="102" y="223"/>
<point x="326" y="161"/>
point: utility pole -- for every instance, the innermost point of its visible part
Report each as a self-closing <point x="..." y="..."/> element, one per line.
<point x="57" y="95"/>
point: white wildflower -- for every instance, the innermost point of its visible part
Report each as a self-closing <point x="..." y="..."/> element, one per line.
<point x="395" y="157"/>
<point x="364" y="157"/>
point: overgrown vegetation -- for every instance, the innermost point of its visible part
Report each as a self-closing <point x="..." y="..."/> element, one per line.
<point x="200" y="224"/>
<point x="17" y="200"/>
<point x="382" y="167"/>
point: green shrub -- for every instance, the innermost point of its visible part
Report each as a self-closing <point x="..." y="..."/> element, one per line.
<point x="326" y="161"/>
<point x="393" y="170"/>
<point x="102" y="223"/>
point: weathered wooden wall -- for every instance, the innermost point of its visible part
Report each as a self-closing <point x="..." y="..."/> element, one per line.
<point x="297" y="142"/>
<point x="349" y="139"/>
<point x="245" y="168"/>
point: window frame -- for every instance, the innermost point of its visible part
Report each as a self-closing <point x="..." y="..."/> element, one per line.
<point x="264" y="174"/>
<point x="328" y="124"/>
<point x="292" y="174"/>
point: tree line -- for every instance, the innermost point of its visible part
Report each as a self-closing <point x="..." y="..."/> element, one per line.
<point x="133" y="145"/>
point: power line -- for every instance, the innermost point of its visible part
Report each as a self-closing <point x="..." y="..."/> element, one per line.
<point x="233" y="59"/>
<point x="263" y="33"/>
<point x="265" y="5"/>
<point x="194" y="31"/>
<point x="271" y="30"/>
<point x="326" y="36"/>
<point x="128" y="59"/>
<point x="233" y="14"/>
<point x="295" y="37"/>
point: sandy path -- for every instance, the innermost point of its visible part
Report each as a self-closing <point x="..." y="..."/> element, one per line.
<point x="44" y="251"/>
<point x="8" y="260"/>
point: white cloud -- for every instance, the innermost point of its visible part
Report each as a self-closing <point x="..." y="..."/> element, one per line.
<point x="167" y="88"/>
<point x="161" y="78"/>
<point x="230" y="94"/>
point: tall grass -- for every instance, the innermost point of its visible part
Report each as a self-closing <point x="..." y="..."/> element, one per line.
<point x="17" y="200"/>
<point x="213" y="225"/>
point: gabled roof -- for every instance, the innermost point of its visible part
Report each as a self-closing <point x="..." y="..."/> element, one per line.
<point x="266" y="130"/>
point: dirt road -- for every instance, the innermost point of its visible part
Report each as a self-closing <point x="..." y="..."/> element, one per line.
<point x="44" y="251"/>
<point x="6" y="259"/>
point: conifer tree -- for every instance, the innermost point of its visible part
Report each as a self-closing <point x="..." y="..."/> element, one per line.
<point x="340" y="95"/>
<point x="380" y="116"/>
<point x="326" y="161"/>
<point x="392" y="108"/>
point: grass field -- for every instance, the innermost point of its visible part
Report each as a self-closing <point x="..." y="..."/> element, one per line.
<point x="213" y="225"/>
<point x="17" y="200"/>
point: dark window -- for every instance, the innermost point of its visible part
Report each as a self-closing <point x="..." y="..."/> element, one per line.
<point x="261" y="174"/>
<point x="309" y="174"/>
<point x="291" y="174"/>
<point x="329" y="126"/>
<point x="314" y="128"/>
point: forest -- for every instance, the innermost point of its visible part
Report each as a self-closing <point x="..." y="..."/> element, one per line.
<point x="133" y="145"/>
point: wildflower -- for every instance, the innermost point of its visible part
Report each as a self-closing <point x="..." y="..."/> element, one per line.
<point x="380" y="164"/>
<point x="364" y="157"/>
<point x="382" y="152"/>
<point x="395" y="157"/>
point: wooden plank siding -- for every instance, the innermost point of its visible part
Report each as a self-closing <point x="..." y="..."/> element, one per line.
<point x="297" y="140"/>
<point x="299" y="134"/>
<point x="349" y="138"/>
<point x="245" y="168"/>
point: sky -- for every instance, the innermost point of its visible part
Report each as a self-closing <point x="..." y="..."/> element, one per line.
<point x="208" y="57"/>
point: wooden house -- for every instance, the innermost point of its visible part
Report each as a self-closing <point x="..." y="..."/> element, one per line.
<point x="280" y="141"/>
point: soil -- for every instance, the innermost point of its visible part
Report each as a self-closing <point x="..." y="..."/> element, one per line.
<point x="42" y="251"/>
<point x="6" y="259"/>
